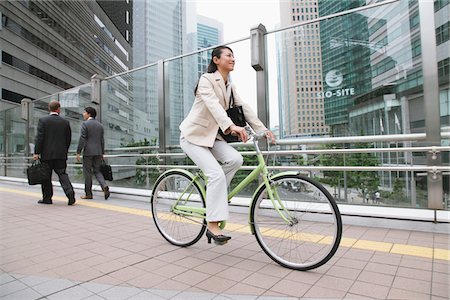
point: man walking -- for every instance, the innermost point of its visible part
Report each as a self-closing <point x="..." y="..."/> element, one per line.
<point x="51" y="146"/>
<point x="92" y="144"/>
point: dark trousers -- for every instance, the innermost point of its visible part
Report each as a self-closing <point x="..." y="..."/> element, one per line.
<point x="59" y="166"/>
<point x="91" y="166"/>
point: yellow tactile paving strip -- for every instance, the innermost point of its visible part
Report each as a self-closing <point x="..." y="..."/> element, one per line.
<point x="403" y="249"/>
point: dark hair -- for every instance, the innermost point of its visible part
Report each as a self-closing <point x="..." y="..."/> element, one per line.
<point x="53" y="105"/>
<point x="91" y="111"/>
<point x="217" y="52"/>
<point x="212" y="67"/>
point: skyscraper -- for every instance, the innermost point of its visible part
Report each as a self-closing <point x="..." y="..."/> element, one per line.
<point x="300" y="66"/>
<point x="209" y="33"/>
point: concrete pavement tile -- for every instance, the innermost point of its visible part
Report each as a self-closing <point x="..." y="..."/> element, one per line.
<point x="171" y="285"/>
<point x="440" y="277"/>
<point x="191" y="277"/>
<point x="395" y="294"/>
<point x="291" y="288"/>
<point x="26" y="294"/>
<point x="369" y="290"/>
<point x="416" y="263"/>
<point x="234" y="273"/>
<point x="53" y="286"/>
<point x="94" y="297"/>
<point x="84" y="275"/>
<point x="242" y="253"/>
<point x="317" y="292"/>
<point x="207" y="255"/>
<point x="350" y="296"/>
<point x="343" y="272"/>
<point x="210" y="267"/>
<point x="250" y="265"/>
<point x="31" y="280"/>
<point x="376" y="278"/>
<point x="11" y="287"/>
<point x="133" y="259"/>
<point x="127" y="273"/>
<point x="150" y="264"/>
<point x="215" y="284"/>
<point x="441" y="267"/>
<point x="310" y="277"/>
<point x="190" y="262"/>
<point x="414" y="285"/>
<point x="244" y="289"/>
<point x="147" y="280"/>
<point x="381" y="268"/>
<point x="387" y="258"/>
<point x="335" y="283"/>
<point x="275" y="270"/>
<point x="74" y="293"/>
<point x="440" y="289"/>
<point x="105" y="279"/>
<point x="145" y="295"/>
<point x="228" y="260"/>
<point x="261" y="280"/>
<point x="120" y="292"/>
<point x="414" y="273"/>
<point x="194" y="296"/>
<point x="364" y="255"/>
<point x="169" y="270"/>
<point x="351" y="263"/>
<point x="110" y="266"/>
<point x="5" y="278"/>
<point x="95" y="287"/>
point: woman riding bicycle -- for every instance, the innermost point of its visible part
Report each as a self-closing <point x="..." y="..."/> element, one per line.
<point x="201" y="141"/>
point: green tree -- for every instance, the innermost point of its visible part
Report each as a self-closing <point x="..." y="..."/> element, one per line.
<point x="145" y="176"/>
<point x="249" y="160"/>
<point x="363" y="181"/>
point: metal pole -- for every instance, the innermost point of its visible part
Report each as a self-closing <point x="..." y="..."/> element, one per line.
<point x="258" y="61"/>
<point x="163" y="108"/>
<point x="96" y="93"/>
<point x="431" y="100"/>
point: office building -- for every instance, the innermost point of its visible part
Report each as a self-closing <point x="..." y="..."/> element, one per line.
<point x="300" y="68"/>
<point x="50" y="46"/>
<point x="209" y="33"/>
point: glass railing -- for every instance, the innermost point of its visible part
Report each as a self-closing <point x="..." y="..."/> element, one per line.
<point x="344" y="94"/>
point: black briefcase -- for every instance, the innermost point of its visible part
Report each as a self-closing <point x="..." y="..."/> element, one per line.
<point x="38" y="172"/>
<point x="106" y="171"/>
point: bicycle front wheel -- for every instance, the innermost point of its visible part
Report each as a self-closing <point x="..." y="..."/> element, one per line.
<point x="301" y="229"/>
<point x="176" y="205"/>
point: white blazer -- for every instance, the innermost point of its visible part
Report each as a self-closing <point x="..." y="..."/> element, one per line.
<point x="208" y="113"/>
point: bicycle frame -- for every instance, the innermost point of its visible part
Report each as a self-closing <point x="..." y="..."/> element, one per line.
<point x="261" y="169"/>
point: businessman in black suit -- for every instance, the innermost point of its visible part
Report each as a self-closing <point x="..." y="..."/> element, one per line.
<point x="51" y="146"/>
<point x="92" y="144"/>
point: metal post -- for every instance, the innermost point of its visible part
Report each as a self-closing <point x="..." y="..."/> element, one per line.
<point x="431" y="100"/>
<point x="164" y="112"/>
<point x="258" y="61"/>
<point x="96" y="94"/>
<point x="26" y="105"/>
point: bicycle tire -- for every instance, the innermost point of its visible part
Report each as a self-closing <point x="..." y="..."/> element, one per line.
<point x="313" y="238"/>
<point x="178" y="229"/>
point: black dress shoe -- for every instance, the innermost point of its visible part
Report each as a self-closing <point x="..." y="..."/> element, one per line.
<point x="219" y="239"/>
<point x="107" y="193"/>
<point x="45" y="202"/>
<point x="71" y="196"/>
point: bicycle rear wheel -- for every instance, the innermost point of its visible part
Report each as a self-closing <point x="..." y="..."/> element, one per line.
<point x="179" y="227"/>
<point x="313" y="230"/>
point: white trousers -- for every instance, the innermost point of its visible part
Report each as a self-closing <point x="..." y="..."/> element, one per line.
<point x="219" y="164"/>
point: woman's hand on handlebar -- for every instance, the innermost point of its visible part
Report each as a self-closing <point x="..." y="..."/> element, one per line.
<point x="270" y="136"/>
<point x="240" y="132"/>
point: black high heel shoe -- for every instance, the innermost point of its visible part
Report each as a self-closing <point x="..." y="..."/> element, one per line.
<point x="219" y="239"/>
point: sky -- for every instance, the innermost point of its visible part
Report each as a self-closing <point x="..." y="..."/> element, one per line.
<point x="238" y="17"/>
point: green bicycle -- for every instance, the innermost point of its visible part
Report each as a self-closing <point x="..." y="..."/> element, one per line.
<point x="294" y="219"/>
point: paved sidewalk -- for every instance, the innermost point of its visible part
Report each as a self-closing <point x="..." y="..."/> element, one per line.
<point x="111" y="250"/>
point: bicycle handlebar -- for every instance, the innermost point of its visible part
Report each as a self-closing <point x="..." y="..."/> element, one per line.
<point x="254" y="135"/>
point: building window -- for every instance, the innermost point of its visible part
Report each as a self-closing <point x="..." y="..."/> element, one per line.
<point x="443" y="33"/>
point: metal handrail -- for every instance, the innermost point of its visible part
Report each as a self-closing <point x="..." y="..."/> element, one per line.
<point x="431" y="149"/>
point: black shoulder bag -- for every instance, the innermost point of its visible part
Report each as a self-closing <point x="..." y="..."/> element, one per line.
<point x="236" y="114"/>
